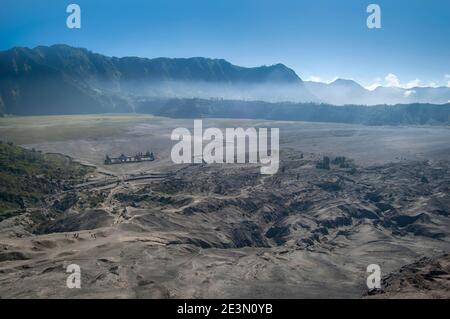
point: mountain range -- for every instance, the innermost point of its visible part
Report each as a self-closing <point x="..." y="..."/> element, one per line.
<point x="61" y="79"/>
<point x="342" y="92"/>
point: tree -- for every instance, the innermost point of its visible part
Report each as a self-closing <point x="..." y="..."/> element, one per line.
<point x="324" y="164"/>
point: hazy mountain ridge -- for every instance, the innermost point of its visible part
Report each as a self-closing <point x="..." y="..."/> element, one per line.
<point x="400" y="114"/>
<point x="65" y="80"/>
<point x="341" y="92"/>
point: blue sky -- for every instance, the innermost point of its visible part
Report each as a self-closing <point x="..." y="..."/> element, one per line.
<point x="319" y="39"/>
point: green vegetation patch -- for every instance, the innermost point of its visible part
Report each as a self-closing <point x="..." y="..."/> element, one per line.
<point x="26" y="176"/>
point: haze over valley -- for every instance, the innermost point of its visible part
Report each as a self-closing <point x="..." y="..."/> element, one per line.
<point x="68" y="80"/>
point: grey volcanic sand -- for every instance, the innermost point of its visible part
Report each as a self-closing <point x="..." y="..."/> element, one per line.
<point x="225" y="231"/>
<point x="90" y="137"/>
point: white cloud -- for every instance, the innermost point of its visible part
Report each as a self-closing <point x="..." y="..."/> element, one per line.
<point x="317" y="78"/>
<point x="314" y="78"/>
<point x="409" y="93"/>
<point x="447" y="76"/>
<point x="333" y="79"/>
<point x="372" y="86"/>
<point x="413" y="84"/>
<point x="392" y="80"/>
<point x="376" y="83"/>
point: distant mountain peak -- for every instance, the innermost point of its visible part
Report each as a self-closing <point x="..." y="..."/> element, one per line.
<point x="346" y="82"/>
